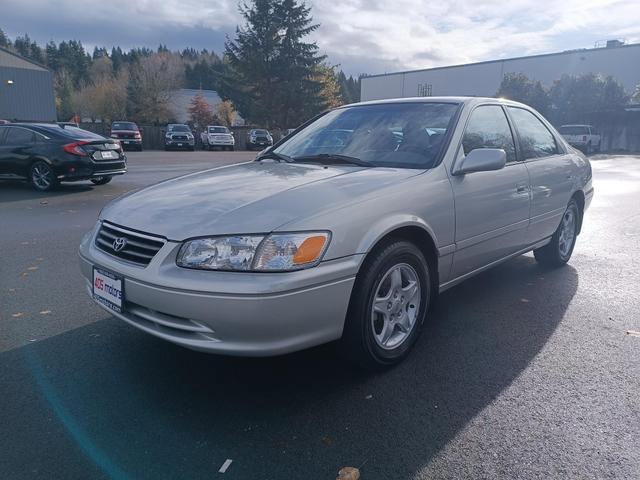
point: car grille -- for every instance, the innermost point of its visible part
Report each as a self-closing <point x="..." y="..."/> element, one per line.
<point x="139" y="248"/>
<point x="262" y="139"/>
<point x="179" y="137"/>
<point x="125" y="135"/>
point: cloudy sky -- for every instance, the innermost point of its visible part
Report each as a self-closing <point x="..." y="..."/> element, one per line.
<point x="363" y="36"/>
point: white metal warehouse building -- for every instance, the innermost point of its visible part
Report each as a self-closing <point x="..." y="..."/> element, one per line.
<point x="483" y="79"/>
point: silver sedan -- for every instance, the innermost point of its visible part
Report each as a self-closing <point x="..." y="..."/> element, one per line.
<point x="346" y="230"/>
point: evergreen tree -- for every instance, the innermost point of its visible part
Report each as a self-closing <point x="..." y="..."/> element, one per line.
<point x="51" y="51"/>
<point x="274" y="69"/>
<point x="117" y="59"/>
<point x="22" y="45"/>
<point x="349" y="88"/>
<point x="4" y="40"/>
<point x="135" y="91"/>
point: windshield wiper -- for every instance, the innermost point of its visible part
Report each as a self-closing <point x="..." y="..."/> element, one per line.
<point x="274" y="156"/>
<point x="332" y="158"/>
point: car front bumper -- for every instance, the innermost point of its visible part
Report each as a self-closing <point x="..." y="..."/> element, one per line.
<point x="233" y="313"/>
<point x="220" y="142"/>
<point x="180" y="143"/>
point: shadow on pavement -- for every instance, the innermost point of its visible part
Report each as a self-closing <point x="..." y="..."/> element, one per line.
<point x="16" y="190"/>
<point x="108" y="401"/>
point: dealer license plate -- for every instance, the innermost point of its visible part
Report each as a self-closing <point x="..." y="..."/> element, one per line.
<point x="108" y="289"/>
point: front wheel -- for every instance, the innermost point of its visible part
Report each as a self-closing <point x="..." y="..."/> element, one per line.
<point x="558" y="251"/>
<point x="101" y="180"/>
<point x="42" y="176"/>
<point x="388" y="306"/>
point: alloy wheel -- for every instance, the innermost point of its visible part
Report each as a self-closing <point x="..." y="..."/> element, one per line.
<point x="567" y="232"/>
<point x="395" y="307"/>
<point x="42" y="176"/>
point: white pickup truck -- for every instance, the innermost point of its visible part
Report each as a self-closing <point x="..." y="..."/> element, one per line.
<point x="217" y="136"/>
<point x="583" y="137"/>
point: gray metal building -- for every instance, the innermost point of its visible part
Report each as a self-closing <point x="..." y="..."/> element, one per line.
<point x="620" y="61"/>
<point x="26" y="89"/>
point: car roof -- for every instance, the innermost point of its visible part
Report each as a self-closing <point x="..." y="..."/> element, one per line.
<point x="442" y="99"/>
<point x="36" y="126"/>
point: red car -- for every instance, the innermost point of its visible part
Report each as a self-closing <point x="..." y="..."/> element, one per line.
<point x="128" y="134"/>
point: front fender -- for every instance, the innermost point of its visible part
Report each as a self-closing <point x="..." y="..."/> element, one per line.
<point x="388" y="224"/>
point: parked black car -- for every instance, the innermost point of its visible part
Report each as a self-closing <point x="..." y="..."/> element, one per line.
<point x="258" y="138"/>
<point x="46" y="154"/>
<point x="179" y="135"/>
<point x="128" y="134"/>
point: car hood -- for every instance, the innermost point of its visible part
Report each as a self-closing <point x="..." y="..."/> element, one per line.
<point x="254" y="197"/>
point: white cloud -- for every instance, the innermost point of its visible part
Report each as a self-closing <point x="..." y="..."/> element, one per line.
<point x="363" y="36"/>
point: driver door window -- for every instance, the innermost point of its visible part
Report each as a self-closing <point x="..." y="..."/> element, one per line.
<point x="488" y="128"/>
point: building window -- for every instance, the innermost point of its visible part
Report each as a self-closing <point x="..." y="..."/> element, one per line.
<point x="424" y="90"/>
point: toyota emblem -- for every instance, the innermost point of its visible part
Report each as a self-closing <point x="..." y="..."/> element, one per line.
<point x="119" y="243"/>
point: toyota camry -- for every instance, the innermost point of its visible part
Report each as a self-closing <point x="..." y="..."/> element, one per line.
<point x="346" y="230"/>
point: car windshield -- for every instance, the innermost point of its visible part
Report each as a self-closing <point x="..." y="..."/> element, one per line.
<point x="260" y="132"/>
<point x="218" y="130"/>
<point x="406" y="135"/>
<point x="124" y="126"/>
<point x="574" y="130"/>
<point x="179" y="128"/>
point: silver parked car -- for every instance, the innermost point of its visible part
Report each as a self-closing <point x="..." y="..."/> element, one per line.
<point x="347" y="229"/>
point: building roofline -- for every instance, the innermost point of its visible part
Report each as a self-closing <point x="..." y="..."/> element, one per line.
<point x="33" y="62"/>
<point x="485" y="62"/>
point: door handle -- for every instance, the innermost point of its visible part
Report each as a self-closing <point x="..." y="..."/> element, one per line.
<point x="521" y="188"/>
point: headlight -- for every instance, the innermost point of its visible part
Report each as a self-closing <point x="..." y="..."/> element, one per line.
<point x="168" y="135"/>
<point x="113" y="135"/>
<point x="277" y="252"/>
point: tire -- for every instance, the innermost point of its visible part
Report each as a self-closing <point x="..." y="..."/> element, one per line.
<point x="42" y="177"/>
<point x="101" y="180"/>
<point x="166" y="148"/>
<point x="140" y="148"/>
<point x="558" y="252"/>
<point x="231" y="149"/>
<point x="401" y="316"/>
<point x="589" y="149"/>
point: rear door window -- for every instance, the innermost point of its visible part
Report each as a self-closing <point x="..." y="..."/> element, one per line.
<point x="19" y="136"/>
<point x="535" y="138"/>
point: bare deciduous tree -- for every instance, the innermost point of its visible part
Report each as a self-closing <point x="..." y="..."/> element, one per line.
<point x="155" y="78"/>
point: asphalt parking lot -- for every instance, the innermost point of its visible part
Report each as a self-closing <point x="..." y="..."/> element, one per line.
<point x="522" y="372"/>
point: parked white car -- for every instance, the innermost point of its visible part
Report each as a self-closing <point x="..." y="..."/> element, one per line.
<point x="217" y="136"/>
<point x="583" y="137"/>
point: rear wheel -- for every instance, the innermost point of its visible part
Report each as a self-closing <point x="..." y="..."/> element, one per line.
<point x="42" y="176"/>
<point x="558" y="251"/>
<point x="101" y="180"/>
<point x="388" y="306"/>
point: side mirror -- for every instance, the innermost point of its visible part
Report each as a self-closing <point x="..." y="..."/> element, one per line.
<point x="140" y="129"/>
<point x="481" y="160"/>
